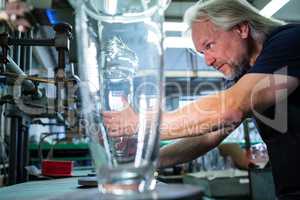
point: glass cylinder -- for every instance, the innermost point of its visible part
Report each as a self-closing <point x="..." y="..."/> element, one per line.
<point x="120" y="66"/>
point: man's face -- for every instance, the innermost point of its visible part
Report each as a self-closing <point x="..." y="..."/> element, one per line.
<point x="226" y="51"/>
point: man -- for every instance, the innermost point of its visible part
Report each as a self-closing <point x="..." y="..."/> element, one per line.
<point x="234" y="37"/>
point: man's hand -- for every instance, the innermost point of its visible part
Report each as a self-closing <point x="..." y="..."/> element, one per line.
<point x="121" y="123"/>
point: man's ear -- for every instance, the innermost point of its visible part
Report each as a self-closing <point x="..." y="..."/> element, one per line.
<point x="243" y="29"/>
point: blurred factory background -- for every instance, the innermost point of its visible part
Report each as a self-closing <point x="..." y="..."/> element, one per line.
<point x="28" y="136"/>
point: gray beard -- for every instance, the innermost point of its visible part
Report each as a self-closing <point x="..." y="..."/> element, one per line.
<point x="238" y="72"/>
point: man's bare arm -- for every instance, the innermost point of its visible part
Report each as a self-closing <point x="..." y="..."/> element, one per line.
<point x="188" y="149"/>
<point x="253" y="92"/>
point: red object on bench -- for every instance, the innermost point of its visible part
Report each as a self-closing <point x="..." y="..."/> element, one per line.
<point x="57" y="168"/>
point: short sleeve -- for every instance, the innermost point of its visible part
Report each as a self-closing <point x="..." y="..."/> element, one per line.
<point x="280" y="53"/>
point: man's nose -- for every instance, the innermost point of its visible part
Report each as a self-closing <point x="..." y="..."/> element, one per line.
<point x="209" y="59"/>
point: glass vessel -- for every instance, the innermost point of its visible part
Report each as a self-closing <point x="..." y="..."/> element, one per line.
<point x="120" y="67"/>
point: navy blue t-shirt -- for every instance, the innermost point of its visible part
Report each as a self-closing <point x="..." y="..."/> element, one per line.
<point x="281" y="54"/>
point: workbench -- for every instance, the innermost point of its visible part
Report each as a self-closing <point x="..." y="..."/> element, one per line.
<point x="68" y="188"/>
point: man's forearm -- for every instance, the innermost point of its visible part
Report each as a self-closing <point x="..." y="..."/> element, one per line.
<point x="203" y="116"/>
<point x="188" y="149"/>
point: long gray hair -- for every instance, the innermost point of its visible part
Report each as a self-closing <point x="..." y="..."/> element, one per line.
<point x="228" y="13"/>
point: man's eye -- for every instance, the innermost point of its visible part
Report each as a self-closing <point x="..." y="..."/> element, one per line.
<point x="209" y="46"/>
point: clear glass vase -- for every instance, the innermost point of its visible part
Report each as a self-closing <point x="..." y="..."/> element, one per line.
<point x="120" y="66"/>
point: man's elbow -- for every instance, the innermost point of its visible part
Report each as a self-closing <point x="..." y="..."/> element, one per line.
<point x="233" y="117"/>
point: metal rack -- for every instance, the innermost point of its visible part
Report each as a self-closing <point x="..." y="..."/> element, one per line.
<point x="18" y="120"/>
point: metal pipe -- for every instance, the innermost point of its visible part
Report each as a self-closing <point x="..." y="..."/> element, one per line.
<point x="24" y="154"/>
<point x="23" y="57"/>
<point x="31" y="42"/>
<point x="31" y="78"/>
<point x="16" y="54"/>
<point x="13" y="149"/>
<point x="61" y="60"/>
<point x="20" y="142"/>
<point x="28" y="55"/>
<point x="29" y="87"/>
